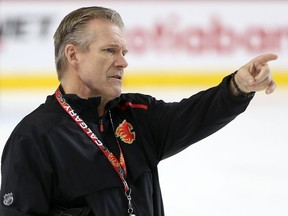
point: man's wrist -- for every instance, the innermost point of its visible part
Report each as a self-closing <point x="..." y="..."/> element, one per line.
<point x="236" y="90"/>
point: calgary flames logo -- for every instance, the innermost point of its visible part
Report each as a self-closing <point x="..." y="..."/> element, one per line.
<point x="124" y="132"/>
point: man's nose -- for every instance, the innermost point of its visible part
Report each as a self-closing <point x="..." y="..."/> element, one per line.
<point x="121" y="61"/>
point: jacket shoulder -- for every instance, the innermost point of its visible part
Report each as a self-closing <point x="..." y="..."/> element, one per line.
<point x="40" y="119"/>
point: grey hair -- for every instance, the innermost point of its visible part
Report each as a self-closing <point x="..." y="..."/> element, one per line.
<point x="72" y="30"/>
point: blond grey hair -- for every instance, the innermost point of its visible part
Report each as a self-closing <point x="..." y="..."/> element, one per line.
<point x="72" y="30"/>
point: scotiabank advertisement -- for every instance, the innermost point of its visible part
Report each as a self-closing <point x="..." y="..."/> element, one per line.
<point x="187" y="38"/>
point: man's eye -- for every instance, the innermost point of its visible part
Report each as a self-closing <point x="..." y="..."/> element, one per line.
<point x="110" y="50"/>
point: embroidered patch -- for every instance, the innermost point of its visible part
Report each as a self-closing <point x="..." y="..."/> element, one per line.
<point x="8" y="199"/>
<point x="124" y="131"/>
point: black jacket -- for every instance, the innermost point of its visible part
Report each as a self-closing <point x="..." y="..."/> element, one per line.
<point x="49" y="161"/>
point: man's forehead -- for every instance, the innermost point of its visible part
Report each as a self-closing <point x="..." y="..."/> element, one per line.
<point x="107" y="30"/>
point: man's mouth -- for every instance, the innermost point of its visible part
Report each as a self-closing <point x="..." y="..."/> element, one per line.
<point x="116" y="77"/>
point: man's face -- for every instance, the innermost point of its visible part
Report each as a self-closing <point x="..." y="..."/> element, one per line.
<point x="100" y="69"/>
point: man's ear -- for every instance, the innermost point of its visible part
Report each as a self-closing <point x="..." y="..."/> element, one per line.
<point x="71" y="54"/>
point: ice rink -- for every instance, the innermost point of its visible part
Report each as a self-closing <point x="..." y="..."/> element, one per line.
<point x="240" y="170"/>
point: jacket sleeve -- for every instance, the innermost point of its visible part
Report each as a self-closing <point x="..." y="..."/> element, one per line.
<point x="26" y="178"/>
<point x="175" y="126"/>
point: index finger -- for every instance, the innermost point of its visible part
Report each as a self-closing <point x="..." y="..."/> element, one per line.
<point x="263" y="59"/>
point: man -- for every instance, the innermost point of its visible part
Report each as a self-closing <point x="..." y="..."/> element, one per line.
<point x="90" y="150"/>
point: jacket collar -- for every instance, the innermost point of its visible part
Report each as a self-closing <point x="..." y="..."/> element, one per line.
<point x="89" y="105"/>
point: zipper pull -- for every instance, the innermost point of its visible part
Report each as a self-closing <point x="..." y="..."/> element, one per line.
<point x="101" y="126"/>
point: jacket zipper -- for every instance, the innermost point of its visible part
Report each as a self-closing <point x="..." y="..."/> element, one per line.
<point x="101" y="126"/>
<point x="134" y="201"/>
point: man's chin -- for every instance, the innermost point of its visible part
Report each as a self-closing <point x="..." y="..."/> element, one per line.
<point x="114" y="95"/>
